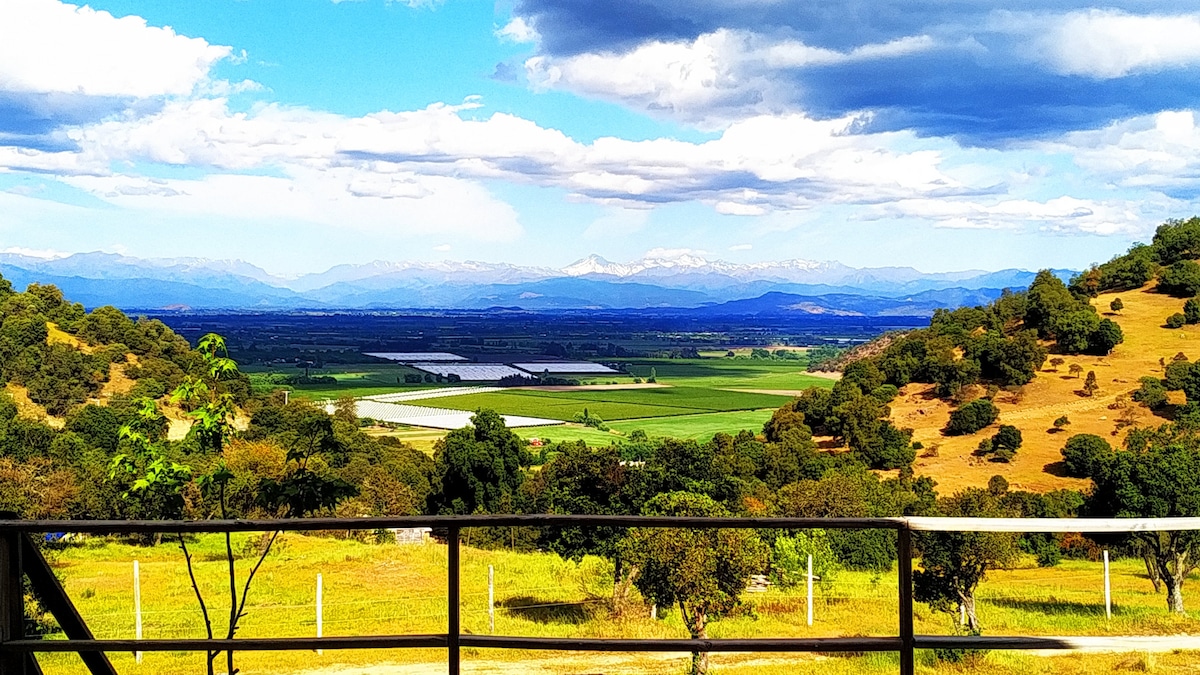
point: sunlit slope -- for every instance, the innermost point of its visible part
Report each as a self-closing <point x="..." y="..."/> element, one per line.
<point x="1052" y="394"/>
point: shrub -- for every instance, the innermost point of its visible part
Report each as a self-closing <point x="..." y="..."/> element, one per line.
<point x="1176" y="320"/>
<point x="972" y="417"/>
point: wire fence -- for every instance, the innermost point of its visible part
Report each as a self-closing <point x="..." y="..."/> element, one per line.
<point x="415" y="613"/>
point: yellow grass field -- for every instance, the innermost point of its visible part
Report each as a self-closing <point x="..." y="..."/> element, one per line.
<point x="396" y="589"/>
<point x="1051" y="394"/>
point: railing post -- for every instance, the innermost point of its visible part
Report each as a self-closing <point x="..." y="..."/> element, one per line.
<point x="904" y="568"/>
<point x="454" y="597"/>
<point x="12" y="601"/>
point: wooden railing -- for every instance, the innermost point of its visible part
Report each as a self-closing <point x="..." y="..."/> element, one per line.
<point x="20" y="558"/>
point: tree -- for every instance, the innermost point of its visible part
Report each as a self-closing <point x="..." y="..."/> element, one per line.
<point x="589" y="481"/>
<point x="1075" y="369"/>
<point x="972" y="417"/>
<point x="1105" y="338"/>
<point x="1008" y="438"/>
<point x="159" y="480"/>
<point x="1085" y="455"/>
<point x="1003" y="445"/>
<point x="1191" y="310"/>
<point x="1057" y="361"/>
<point x="1090" y="386"/>
<point x="1181" y="279"/>
<point x="1157" y="477"/>
<point x="1116" y="305"/>
<point x="703" y="572"/>
<point x="477" y="468"/>
<point x="1176" y="320"/>
<point x="1152" y="393"/>
<point x="1061" y="422"/>
<point x="954" y="563"/>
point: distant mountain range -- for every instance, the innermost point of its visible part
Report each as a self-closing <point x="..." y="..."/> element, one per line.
<point x="691" y="282"/>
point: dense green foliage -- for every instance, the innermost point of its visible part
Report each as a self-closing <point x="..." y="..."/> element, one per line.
<point x="972" y="417"/>
<point x="1157" y="476"/>
<point x="953" y="563"/>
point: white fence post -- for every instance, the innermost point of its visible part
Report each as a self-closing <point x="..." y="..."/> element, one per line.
<point x="320" y="612"/>
<point x="810" y="595"/>
<point x="1107" y="590"/>
<point x="137" y="607"/>
<point x="491" y="600"/>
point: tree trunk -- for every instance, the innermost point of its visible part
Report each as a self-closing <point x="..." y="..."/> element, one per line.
<point x="622" y="585"/>
<point x="697" y="624"/>
<point x="967" y="602"/>
<point x="1174" y="593"/>
<point x="1152" y="571"/>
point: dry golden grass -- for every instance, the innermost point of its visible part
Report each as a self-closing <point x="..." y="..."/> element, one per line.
<point x="28" y="409"/>
<point x="390" y="589"/>
<point x="56" y="335"/>
<point x="1053" y="393"/>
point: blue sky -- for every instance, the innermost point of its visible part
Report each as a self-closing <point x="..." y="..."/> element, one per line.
<point x="300" y="134"/>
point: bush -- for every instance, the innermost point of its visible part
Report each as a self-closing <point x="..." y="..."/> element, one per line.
<point x="1084" y="454"/>
<point x="1176" y="320"/>
<point x="1152" y="393"/>
<point x="972" y="417"/>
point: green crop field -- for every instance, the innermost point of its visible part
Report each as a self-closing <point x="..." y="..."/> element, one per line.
<point x="722" y="373"/>
<point x="616" y="404"/>
<point x="374" y="589"/>
<point x="352" y="380"/>
<point x="700" y="427"/>
<point x="555" y="408"/>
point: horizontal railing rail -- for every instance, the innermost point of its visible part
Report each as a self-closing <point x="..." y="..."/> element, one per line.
<point x="18" y="558"/>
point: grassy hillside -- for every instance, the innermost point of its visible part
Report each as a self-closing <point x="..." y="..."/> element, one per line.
<point x="1054" y="392"/>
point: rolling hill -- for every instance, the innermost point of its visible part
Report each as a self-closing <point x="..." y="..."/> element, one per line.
<point x="1054" y="392"/>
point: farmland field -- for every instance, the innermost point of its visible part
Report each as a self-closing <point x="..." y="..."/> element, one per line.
<point x="721" y="373"/>
<point x="352" y="380"/>
<point x="393" y="589"/>
<point x="700" y="427"/>
<point x="617" y="404"/>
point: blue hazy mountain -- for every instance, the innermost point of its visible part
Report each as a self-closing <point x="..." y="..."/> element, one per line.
<point x="682" y="282"/>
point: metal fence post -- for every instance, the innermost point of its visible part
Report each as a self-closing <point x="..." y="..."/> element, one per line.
<point x="12" y="602"/>
<point x="453" y="633"/>
<point x="904" y="568"/>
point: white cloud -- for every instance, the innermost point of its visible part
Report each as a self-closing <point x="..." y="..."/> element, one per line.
<point x="50" y="47"/>
<point x="442" y="248"/>
<point x="717" y="77"/>
<point x="43" y="253"/>
<point x="755" y="166"/>
<point x="1105" y="44"/>
<point x="517" y="30"/>
<point x="1061" y="214"/>
<point x="741" y="247"/>
<point x="404" y="204"/>
<point x="674" y="253"/>
<point x="1160" y="151"/>
<point x="417" y="4"/>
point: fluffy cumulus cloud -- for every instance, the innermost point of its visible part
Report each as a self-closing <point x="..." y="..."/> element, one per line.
<point x="805" y="117"/>
<point x="112" y="63"/>
<point x="986" y="73"/>
<point x="1105" y="44"/>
